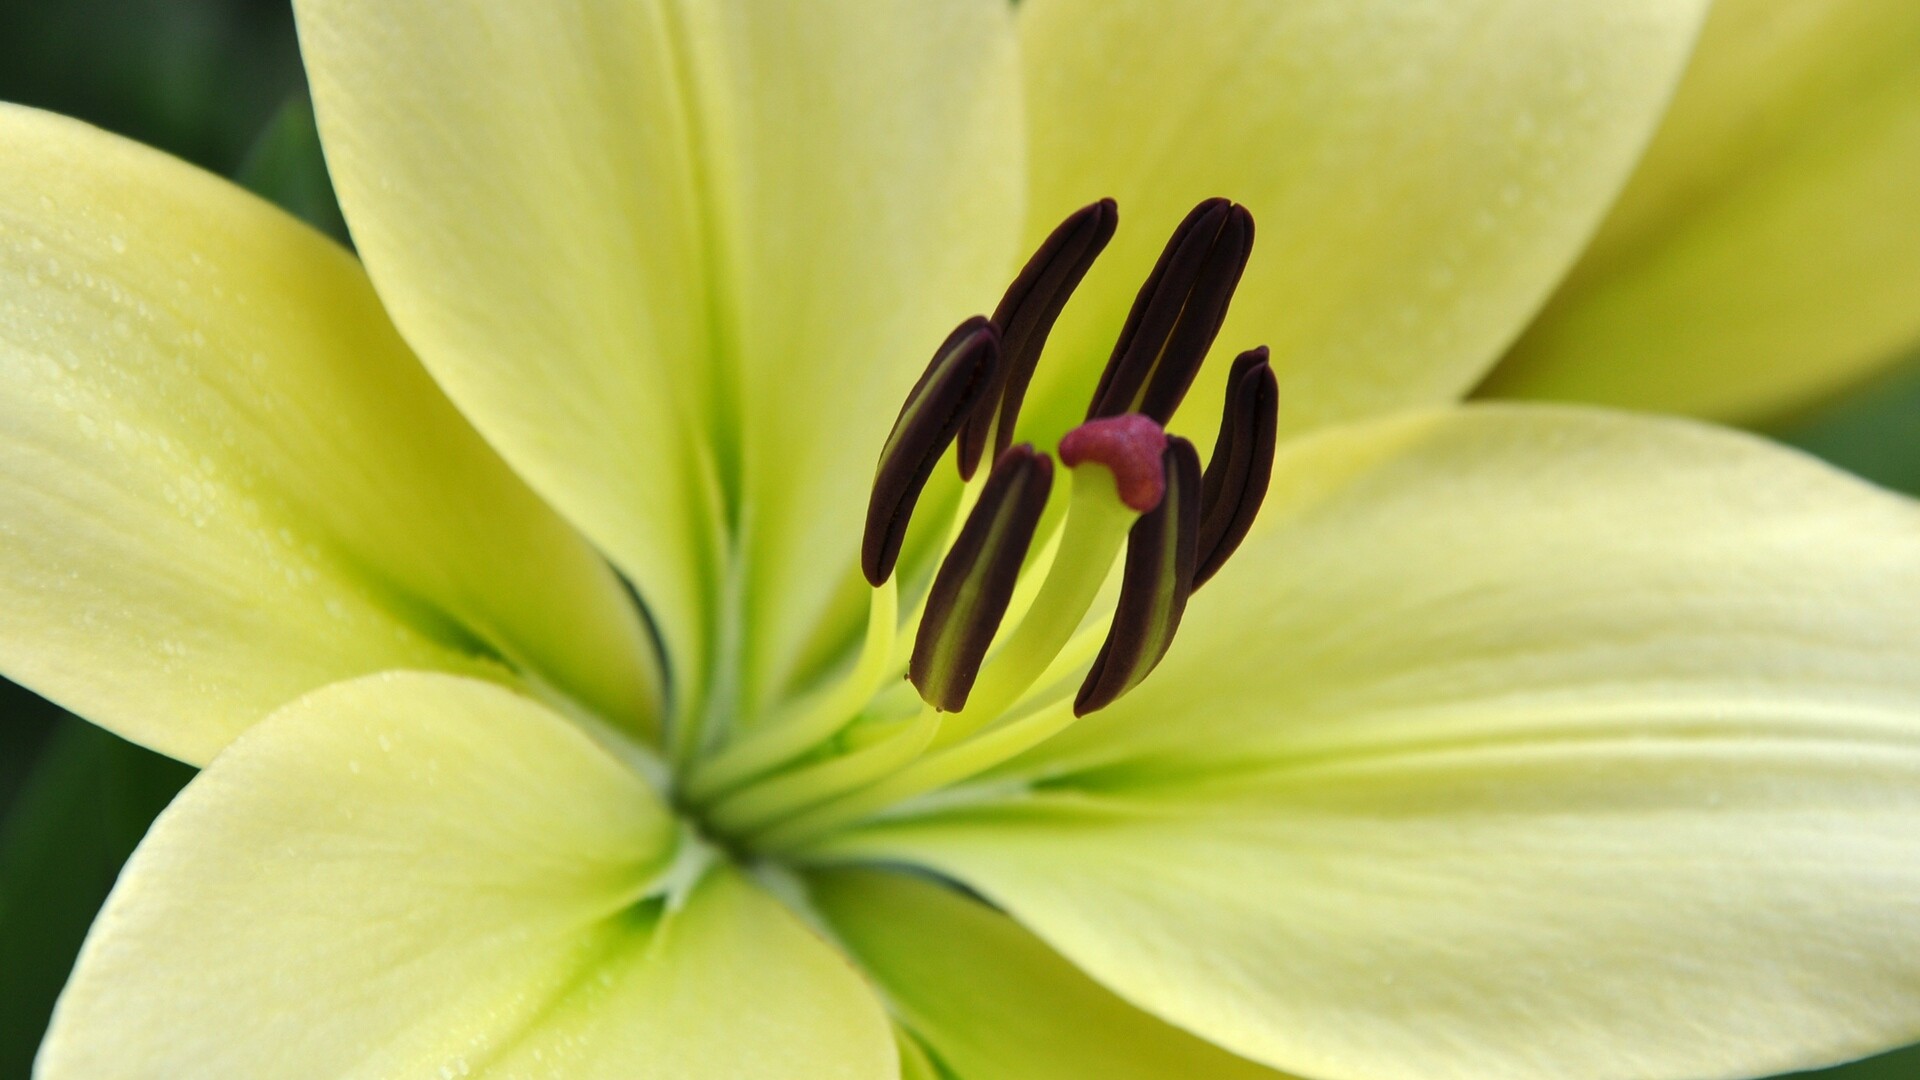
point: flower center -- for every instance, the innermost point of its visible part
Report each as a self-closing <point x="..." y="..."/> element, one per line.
<point x="991" y="647"/>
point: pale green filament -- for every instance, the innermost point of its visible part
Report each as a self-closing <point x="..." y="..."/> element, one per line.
<point x="1071" y="663"/>
<point x="821" y="718"/>
<point x="1027" y="589"/>
<point x="779" y="797"/>
<point x="931" y="773"/>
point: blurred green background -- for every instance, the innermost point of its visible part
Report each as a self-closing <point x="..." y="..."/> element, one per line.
<point x="218" y="83"/>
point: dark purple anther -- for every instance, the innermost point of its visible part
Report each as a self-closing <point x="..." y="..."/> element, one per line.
<point x="975" y="583"/>
<point x="1161" y="553"/>
<point x="1026" y="316"/>
<point x="1177" y="313"/>
<point x="1242" y="462"/>
<point x="955" y="381"/>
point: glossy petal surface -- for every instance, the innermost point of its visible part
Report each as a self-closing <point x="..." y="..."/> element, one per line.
<point x="681" y="261"/>
<point x="1767" y="252"/>
<point x="1515" y="742"/>
<point x="421" y="875"/>
<point x="992" y="1002"/>
<point x="1422" y="174"/>
<point x="226" y="480"/>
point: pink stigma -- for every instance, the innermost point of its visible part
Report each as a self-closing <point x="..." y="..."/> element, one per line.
<point x="1130" y="446"/>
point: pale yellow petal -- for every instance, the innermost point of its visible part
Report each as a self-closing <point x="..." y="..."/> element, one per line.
<point x="990" y="1001"/>
<point x="914" y="1062"/>
<point x="681" y="261"/>
<point x="1507" y="561"/>
<point x="1516" y="742"/>
<point x="425" y="876"/>
<point x="729" y="987"/>
<point x="227" y="482"/>
<point x="1767" y="252"/>
<point x="1421" y="174"/>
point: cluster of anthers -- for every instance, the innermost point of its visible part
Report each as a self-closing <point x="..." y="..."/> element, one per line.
<point x="862" y="744"/>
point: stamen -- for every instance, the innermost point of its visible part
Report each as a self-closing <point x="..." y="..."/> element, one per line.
<point x="975" y="582"/>
<point x="1098" y="519"/>
<point x="1161" y="552"/>
<point x="955" y="381"/>
<point x="862" y="743"/>
<point x="1242" y="462"/>
<point x="1160" y="556"/>
<point x="1026" y="316"/>
<point x="1177" y="314"/>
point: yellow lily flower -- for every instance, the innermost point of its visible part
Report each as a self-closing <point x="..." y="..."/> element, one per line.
<point x="1512" y="741"/>
<point x="1761" y="258"/>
